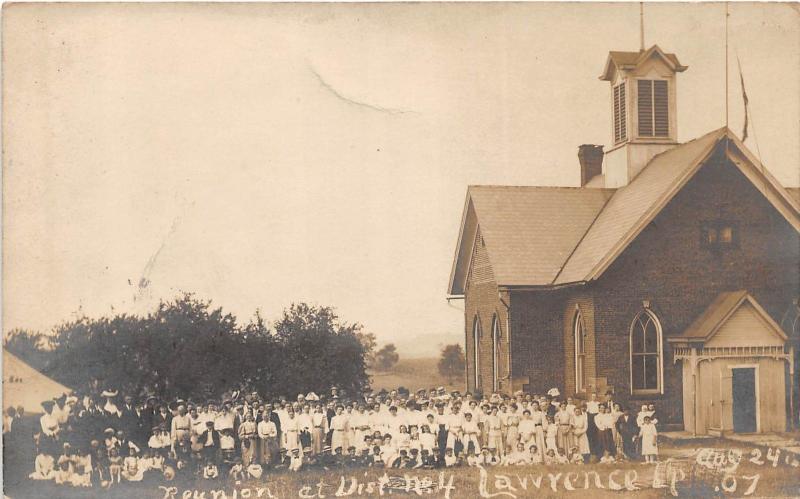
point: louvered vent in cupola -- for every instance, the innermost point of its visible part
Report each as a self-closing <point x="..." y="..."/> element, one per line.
<point x="620" y="125"/>
<point x="653" y="105"/>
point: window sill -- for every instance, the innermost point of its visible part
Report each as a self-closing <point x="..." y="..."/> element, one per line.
<point x="647" y="394"/>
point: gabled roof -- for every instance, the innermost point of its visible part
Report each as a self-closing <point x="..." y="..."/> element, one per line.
<point x="715" y="315"/>
<point x="554" y="236"/>
<point x="529" y="232"/>
<point x="629" y="60"/>
<point x="635" y="205"/>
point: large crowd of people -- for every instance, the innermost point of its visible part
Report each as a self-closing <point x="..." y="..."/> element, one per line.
<point x="105" y="439"/>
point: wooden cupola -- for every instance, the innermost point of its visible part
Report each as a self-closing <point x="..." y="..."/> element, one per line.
<point x="643" y="110"/>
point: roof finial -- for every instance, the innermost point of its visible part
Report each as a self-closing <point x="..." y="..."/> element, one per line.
<point x="641" y="26"/>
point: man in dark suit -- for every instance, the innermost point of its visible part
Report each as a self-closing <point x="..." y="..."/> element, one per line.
<point x="129" y="420"/>
<point x="163" y="416"/>
<point x="209" y="439"/>
<point x="147" y="416"/>
<point x="628" y="430"/>
<point x="441" y="431"/>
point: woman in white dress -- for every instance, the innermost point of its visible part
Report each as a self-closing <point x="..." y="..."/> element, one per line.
<point x="527" y="429"/>
<point x="512" y="427"/>
<point x="580" y="424"/>
<point x="649" y="437"/>
<point x="539" y="419"/>
<point x="359" y="426"/>
<point x="290" y="431"/>
<point x="495" y="433"/>
<point x="339" y="426"/>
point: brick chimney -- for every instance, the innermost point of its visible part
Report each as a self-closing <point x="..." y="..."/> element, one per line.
<point x="591" y="160"/>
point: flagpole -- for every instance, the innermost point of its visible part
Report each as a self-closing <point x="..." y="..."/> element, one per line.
<point x="726" y="64"/>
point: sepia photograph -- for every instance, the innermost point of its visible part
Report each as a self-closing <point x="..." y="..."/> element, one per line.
<point x="439" y="249"/>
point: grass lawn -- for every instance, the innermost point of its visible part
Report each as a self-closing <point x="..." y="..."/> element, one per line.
<point x="414" y="374"/>
<point x="762" y="475"/>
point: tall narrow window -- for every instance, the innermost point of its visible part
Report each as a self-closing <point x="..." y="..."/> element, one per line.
<point x="476" y="341"/>
<point x="495" y="354"/>
<point x="580" y="353"/>
<point x="653" y="105"/>
<point x="646" y="354"/>
<point x="620" y="128"/>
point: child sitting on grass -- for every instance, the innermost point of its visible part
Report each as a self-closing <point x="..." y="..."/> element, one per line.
<point x="377" y="458"/>
<point x="487" y="458"/>
<point x="472" y="459"/>
<point x="426" y="459"/>
<point x="536" y="457"/>
<point x="210" y="470"/>
<point x="550" y="457"/>
<point x="450" y="458"/>
<point x="577" y="457"/>
<point x="64" y="474"/>
<point x="237" y="472"/>
<point x="403" y="460"/>
<point x="296" y="463"/>
<point x="44" y="467"/>
<point x="607" y="458"/>
<point x="131" y="468"/>
<point x="518" y="457"/>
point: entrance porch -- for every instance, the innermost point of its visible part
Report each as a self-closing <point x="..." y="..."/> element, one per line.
<point x="737" y="364"/>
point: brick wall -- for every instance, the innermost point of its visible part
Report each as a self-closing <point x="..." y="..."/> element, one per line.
<point x="668" y="266"/>
<point x="537" y="342"/>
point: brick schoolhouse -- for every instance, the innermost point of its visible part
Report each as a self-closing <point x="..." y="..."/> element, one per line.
<point x="670" y="276"/>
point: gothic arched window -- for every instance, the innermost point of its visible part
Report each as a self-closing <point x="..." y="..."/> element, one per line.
<point x="495" y="353"/>
<point x="476" y="341"/>
<point x="646" y="359"/>
<point x="580" y="352"/>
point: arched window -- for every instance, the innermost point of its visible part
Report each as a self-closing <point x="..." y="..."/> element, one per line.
<point x="495" y="353"/>
<point x="476" y="341"/>
<point x="646" y="354"/>
<point x="580" y="353"/>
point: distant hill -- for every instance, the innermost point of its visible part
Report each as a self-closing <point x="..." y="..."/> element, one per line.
<point x="414" y="374"/>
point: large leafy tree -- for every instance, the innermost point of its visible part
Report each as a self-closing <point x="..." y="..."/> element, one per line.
<point x="187" y="347"/>
<point x="319" y="351"/>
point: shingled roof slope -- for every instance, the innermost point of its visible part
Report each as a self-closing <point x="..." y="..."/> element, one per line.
<point x="530" y="232"/>
<point x="631" y="203"/>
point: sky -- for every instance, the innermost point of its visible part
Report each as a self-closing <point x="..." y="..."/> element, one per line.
<point x="259" y="155"/>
